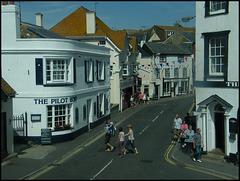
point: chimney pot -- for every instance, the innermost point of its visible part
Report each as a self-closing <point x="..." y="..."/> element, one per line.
<point x="12" y="2"/>
<point x="39" y="21"/>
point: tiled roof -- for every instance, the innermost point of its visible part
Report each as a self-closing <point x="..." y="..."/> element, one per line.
<point x="33" y="31"/>
<point x="6" y="88"/>
<point x="170" y="49"/>
<point x="75" y="25"/>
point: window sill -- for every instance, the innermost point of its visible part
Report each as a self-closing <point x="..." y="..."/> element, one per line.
<point x="58" y="84"/>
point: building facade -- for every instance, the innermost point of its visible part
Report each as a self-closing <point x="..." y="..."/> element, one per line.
<point x="217" y="74"/>
<point x="83" y="25"/>
<point x="61" y="84"/>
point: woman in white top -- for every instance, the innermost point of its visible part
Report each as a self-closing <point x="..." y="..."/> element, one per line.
<point x="130" y="140"/>
<point x="120" y="141"/>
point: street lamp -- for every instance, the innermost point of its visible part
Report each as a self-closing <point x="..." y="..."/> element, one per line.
<point x="186" y="19"/>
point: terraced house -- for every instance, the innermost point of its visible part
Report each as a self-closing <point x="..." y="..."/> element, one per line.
<point x="60" y="84"/>
<point x="166" y="60"/>
<point x="83" y="25"/>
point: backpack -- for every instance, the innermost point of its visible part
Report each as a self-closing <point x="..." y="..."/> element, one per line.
<point x="112" y="129"/>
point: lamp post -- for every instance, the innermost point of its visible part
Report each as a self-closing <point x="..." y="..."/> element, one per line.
<point x="186" y="19"/>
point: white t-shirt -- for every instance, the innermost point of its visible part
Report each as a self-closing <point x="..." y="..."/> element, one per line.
<point x="121" y="136"/>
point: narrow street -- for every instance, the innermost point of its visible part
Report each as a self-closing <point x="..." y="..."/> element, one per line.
<point x="153" y="135"/>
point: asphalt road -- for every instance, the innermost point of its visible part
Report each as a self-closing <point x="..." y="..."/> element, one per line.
<point x="153" y="137"/>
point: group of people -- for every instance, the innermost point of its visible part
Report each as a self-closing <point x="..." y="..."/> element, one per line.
<point x="183" y="129"/>
<point x="139" y="98"/>
<point x="120" y="140"/>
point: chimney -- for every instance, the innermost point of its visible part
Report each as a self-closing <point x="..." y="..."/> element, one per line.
<point x="5" y="3"/>
<point x="10" y="32"/>
<point x="90" y="22"/>
<point x="177" y="29"/>
<point x="12" y="2"/>
<point x="39" y="21"/>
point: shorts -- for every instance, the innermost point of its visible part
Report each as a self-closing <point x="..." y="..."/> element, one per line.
<point x="177" y="131"/>
<point x="107" y="138"/>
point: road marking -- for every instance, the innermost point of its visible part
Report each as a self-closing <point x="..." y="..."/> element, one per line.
<point x="198" y="170"/>
<point x="155" y="118"/>
<point x="43" y="170"/>
<point x="101" y="170"/>
<point x="144" y="129"/>
<point x="167" y="153"/>
<point x="161" y="112"/>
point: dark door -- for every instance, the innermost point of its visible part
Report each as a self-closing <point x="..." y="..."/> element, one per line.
<point x="219" y="126"/>
<point x="4" y="151"/>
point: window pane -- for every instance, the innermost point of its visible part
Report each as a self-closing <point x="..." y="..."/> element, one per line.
<point x="212" y="51"/>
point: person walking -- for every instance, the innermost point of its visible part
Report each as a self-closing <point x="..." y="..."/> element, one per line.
<point x="144" y="98"/>
<point x="107" y="137"/>
<point x="184" y="127"/>
<point x="120" y="141"/>
<point x="177" y="126"/>
<point x="188" y="134"/>
<point x="197" y="143"/>
<point x="140" y="98"/>
<point x="130" y="140"/>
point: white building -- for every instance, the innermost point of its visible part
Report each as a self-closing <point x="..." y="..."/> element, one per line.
<point x="83" y="25"/>
<point x="168" y="70"/>
<point x="217" y="74"/>
<point x="58" y="81"/>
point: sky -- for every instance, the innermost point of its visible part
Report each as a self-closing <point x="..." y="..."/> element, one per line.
<point x="116" y="15"/>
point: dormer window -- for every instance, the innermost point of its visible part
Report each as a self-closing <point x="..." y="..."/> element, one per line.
<point x="102" y="43"/>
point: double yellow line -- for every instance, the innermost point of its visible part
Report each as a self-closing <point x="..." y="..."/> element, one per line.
<point x="168" y="151"/>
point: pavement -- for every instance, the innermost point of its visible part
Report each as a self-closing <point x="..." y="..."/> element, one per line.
<point x="212" y="163"/>
<point x="38" y="157"/>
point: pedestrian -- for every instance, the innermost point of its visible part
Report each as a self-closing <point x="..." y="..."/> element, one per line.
<point x="144" y="98"/>
<point x="188" y="134"/>
<point x="197" y="144"/>
<point x="132" y="101"/>
<point x="120" y="141"/>
<point x="184" y="127"/>
<point x="140" y="98"/>
<point x="130" y="140"/>
<point x="188" y="119"/>
<point x="148" y="98"/>
<point x="177" y="126"/>
<point x="107" y="137"/>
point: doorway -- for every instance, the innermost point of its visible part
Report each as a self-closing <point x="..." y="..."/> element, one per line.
<point x="219" y="127"/>
<point x="89" y="113"/>
<point x="4" y="151"/>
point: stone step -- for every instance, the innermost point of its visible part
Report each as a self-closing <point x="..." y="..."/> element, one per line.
<point x="213" y="157"/>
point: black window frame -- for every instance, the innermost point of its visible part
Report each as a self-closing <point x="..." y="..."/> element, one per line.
<point x="207" y="9"/>
<point x="207" y="37"/>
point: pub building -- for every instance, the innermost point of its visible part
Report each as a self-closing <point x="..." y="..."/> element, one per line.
<point x="61" y="85"/>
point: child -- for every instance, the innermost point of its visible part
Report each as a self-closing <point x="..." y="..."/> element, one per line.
<point x="120" y="141"/>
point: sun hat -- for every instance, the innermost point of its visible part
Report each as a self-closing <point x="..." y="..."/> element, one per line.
<point x="129" y="126"/>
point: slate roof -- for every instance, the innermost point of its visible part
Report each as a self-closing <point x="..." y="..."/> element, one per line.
<point x="189" y="36"/>
<point x="33" y="31"/>
<point x="6" y="88"/>
<point x="75" y="25"/>
<point x="169" y="49"/>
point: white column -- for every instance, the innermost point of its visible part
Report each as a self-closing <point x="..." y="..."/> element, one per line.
<point x="204" y="131"/>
